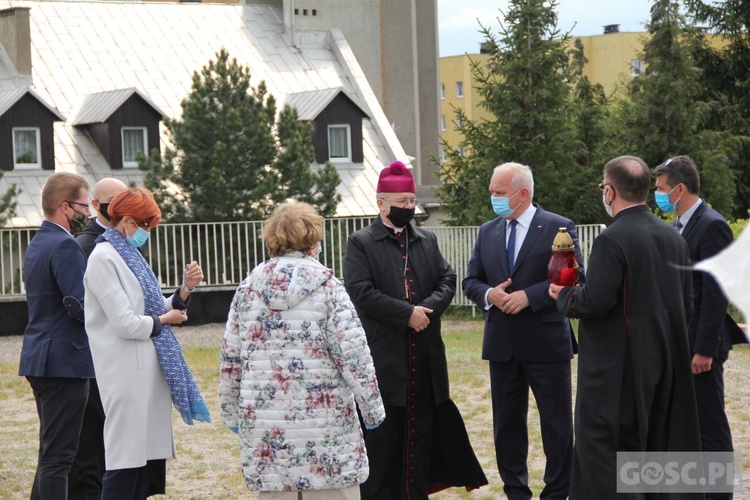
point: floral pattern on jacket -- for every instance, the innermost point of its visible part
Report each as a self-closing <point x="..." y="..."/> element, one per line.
<point x="294" y="359"/>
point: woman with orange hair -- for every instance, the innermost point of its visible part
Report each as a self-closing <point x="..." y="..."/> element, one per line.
<point x="139" y="365"/>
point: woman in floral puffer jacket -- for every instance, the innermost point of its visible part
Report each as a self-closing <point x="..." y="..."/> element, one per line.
<point x="293" y="361"/>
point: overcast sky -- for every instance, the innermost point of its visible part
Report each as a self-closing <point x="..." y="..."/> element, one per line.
<point x="458" y="26"/>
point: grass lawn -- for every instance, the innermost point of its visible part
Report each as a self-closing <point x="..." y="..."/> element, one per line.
<point x="208" y="455"/>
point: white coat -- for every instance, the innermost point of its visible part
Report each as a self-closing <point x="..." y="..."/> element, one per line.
<point x="135" y="395"/>
<point x="293" y="362"/>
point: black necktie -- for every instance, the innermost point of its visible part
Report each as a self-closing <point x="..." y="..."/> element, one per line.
<point x="677" y="224"/>
<point x="512" y="245"/>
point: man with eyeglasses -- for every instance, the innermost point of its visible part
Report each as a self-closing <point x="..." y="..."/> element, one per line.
<point x="712" y="330"/>
<point x="85" y="478"/>
<point x="635" y="387"/>
<point x="55" y="356"/>
<point x="528" y="344"/>
<point x="400" y="284"/>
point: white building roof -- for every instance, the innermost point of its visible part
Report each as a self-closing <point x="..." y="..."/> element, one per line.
<point x="9" y="97"/>
<point x="97" y="108"/>
<point x="310" y="104"/>
<point x="81" y="48"/>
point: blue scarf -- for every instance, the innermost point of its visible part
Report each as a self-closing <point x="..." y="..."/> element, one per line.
<point x="185" y="393"/>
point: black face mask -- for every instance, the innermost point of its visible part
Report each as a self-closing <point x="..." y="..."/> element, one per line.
<point x="400" y="217"/>
<point x="103" y="210"/>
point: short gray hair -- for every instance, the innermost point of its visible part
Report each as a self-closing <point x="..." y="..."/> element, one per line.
<point x="522" y="177"/>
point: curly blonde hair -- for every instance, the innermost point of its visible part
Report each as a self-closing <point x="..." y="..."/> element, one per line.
<point x="293" y="227"/>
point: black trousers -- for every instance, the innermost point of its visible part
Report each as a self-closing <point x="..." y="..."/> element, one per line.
<point x="551" y="385"/>
<point x="712" y="418"/>
<point x="137" y="483"/>
<point x="60" y="404"/>
<point x="85" y="477"/>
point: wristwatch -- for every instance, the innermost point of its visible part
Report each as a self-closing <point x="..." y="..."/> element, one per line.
<point x="185" y="288"/>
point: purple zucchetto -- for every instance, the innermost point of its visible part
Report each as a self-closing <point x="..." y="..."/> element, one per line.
<point x="396" y="178"/>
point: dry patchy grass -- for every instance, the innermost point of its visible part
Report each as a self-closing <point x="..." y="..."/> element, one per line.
<point x="208" y="455"/>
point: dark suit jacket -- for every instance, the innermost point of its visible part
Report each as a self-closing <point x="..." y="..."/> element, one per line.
<point x="55" y="342"/>
<point x="712" y="330"/>
<point x="87" y="237"/>
<point x="539" y="333"/>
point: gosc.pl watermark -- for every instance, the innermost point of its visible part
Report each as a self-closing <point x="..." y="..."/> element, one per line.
<point x="679" y="472"/>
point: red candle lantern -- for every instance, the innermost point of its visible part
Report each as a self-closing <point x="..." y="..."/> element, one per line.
<point x="563" y="267"/>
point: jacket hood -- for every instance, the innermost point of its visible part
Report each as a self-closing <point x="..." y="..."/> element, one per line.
<point x="283" y="282"/>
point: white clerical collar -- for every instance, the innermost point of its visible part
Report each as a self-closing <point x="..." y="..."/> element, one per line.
<point x="395" y="229"/>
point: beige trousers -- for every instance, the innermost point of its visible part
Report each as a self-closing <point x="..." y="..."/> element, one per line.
<point x="345" y="494"/>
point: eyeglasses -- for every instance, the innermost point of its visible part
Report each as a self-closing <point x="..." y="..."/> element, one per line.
<point x="144" y="225"/>
<point x="602" y="185"/>
<point x="84" y="205"/>
<point x="674" y="167"/>
<point x="401" y="201"/>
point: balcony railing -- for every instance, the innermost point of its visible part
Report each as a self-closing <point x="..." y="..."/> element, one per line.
<point x="228" y="251"/>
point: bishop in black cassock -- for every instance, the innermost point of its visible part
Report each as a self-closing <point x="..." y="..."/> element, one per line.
<point x="400" y="285"/>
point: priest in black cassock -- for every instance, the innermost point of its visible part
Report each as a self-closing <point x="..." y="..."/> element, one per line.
<point x="400" y="284"/>
<point x="635" y="385"/>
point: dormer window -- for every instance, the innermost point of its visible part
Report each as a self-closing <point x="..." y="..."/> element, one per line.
<point x="337" y="118"/>
<point x="26" y="131"/>
<point x="121" y="123"/>
<point x="26" y="148"/>
<point x="340" y="143"/>
<point x="134" y="140"/>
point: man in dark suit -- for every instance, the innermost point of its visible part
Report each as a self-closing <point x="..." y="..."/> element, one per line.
<point x="55" y="356"/>
<point x="527" y="342"/>
<point x="634" y="387"/>
<point x="85" y="477"/>
<point x="712" y="330"/>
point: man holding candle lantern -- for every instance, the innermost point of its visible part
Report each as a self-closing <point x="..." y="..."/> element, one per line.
<point x="527" y="342"/>
<point x="635" y="387"/>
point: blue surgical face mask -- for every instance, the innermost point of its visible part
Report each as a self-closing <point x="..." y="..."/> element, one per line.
<point x="662" y="201"/>
<point x="501" y="205"/>
<point x="320" y="249"/>
<point x="139" y="237"/>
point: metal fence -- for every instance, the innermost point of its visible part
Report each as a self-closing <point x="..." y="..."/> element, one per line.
<point x="228" y="251"/>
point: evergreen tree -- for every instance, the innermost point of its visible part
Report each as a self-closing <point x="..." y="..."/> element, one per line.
<point x="8" y="203"/>
<point x="525" y="87"/>
<point x="230" y="160"/>
<point x="591" y="119"/>
<point x="726" y="83"/>
<point x="663" y="119"/>
<point x="665" y="114"/>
